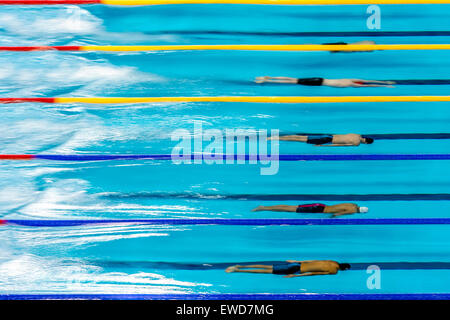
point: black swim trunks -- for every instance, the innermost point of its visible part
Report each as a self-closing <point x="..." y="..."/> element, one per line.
<point x="335" y="44"/>
<point x="310" y="81"/>
<point x="287" y="268"/>
<point x="311" y="208"/>
<point x="319" y="139"/>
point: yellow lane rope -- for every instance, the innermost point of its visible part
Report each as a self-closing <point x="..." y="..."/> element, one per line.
<point x="273" y="2"/>
<point x="273" y="47"/>
<point x="260" y="99"/>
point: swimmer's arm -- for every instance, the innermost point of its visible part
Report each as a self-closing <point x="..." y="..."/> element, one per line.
<point x="307" y="274"/>
<point x="335" y="145"/>
<point x="297" y="261"/>
<point x="374" y="85"/>
<point x="375" y="81"/>
<point x="340" y="214"/>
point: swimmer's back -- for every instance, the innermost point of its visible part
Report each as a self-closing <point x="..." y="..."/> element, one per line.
<point x="320" y="266"/>
<point x="342" y="207"/>
<point x="347" y="138"/>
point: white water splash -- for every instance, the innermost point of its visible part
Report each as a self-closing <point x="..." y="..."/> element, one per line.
<point x="31" y="26"/>
<point x="70" y="197"/>
<point x="32" y="274"/>
<point x="68" y="19"/>
<point x="36" y="75"/>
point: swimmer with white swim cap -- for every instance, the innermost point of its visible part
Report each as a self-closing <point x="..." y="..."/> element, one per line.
<point x="328" y="140"/>
<point x="336" y="210"/>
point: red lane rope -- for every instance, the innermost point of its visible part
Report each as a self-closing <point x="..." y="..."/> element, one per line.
<point x="2" y="222"/>
<point x="16" y="156"/>
<point x="40" y="48"/>
<point x="17" y="100"/>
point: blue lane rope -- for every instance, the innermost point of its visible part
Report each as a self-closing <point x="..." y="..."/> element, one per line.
<point x="223" y="265"/>
<point x="402" y="82"/>
<point x="410" y="136"/>
<point x="233" y="222"/>
<point x="415" y="82"/>
<point x="281" y="157"/>
<point x="268" y="296"/>
<point x="312" y="34"/>
<point x="391" y="136"/>
<point x="279" y="197"/>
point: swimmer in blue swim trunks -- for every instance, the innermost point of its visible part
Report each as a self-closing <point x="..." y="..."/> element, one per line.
<point x="294" y="268"/>
<point x="336" y="210"/>
<point x="337" y="83"/>
<point x="329" y="140"/>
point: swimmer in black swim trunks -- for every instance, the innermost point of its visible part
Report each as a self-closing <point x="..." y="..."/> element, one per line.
<point x="294" y="268"/>
<point x="364" y="42"/>
<point x="336" y="210"/>
<point x="337" y="83"/>
<point x="328" y="140"/>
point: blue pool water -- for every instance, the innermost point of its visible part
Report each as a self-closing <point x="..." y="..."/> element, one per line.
<point x="154" y="259"/>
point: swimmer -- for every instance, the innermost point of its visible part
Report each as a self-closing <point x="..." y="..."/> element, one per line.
<point x="337" y="83"/>
<point x="294" y="268"/>
<point x="328" y="140"/>
<point x="364" y="42"/>
<point x="336" y="210"/>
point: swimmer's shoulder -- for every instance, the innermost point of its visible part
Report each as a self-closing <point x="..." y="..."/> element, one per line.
<point x="353" y="135"/>
<point x="333" y="266"/>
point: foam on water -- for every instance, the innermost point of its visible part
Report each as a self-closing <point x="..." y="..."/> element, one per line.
<point x="62" y="25"/>
<point x="48" y="73"/>
<point x="90" y="236"/>
<point x="31" y="273"/>
<point x="34" y="26"/>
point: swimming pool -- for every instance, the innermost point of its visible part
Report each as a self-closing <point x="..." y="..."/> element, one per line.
<point x="188" y="259"/>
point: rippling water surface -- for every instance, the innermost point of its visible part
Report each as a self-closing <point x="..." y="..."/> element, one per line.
<point x="134" y="258"/>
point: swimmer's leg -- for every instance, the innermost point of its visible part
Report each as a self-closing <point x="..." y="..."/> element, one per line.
<point x="276" y="80"/>
<point x="278" y="208"/>
<point x="257" y="268"/>
<point x="369" y="42"/>
<point x="293" y="137"/>
<point x="364" y="42"/>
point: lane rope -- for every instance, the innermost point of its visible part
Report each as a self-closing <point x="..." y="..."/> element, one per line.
<point x="279" y="197"/>
<point x="232" y="222"/>
<point x="250" y="99"/>
<point x="230" y="157"/>
<point x="307" y="34"/>
<point x="418" y="82"/>
<point x="223" y="265"/>
<point x="234" y="47"/>
<point x="389" y="136"/>
<point x="266" y="2"/>
<point x="262" y="296"/>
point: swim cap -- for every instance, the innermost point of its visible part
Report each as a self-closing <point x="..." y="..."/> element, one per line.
<point x="363" y="209"/>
